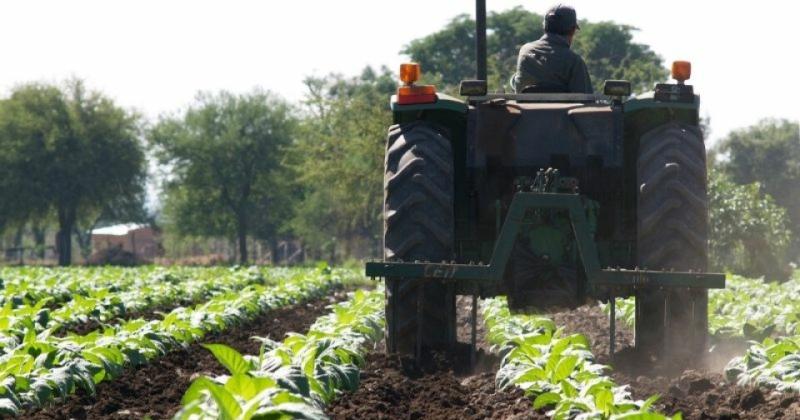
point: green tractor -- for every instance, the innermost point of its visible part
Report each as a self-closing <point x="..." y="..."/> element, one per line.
<point x="551" y="199"/>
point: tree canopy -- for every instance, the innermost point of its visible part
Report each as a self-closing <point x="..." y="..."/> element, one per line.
<point x="339" y="158"/>
<point x="767" y="153"/>
<point x="448" y="55"/>
<point x="69" y="150"/>
<point x="749" y="232"/>
<point x="226" y="153"/>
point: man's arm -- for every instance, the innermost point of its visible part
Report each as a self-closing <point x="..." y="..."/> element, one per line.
<point x="579" y="81"/>
<point x="516" y="79"/>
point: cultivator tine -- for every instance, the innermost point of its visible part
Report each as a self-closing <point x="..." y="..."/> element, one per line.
<point x="420" y="309"/>
<point x="474" y="332"/>
<point x="451" y="318"/>
<point x="612" y="320"/>
<point x="700" y="318"/>
<point x="391" y="327"/>
<point x="664" y="345"/>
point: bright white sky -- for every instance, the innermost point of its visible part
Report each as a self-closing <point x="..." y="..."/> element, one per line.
<point x="155" y="55"/>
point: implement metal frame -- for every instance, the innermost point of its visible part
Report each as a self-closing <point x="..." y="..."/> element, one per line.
<point x="597" y="277"/>
<point x="608" y="283"/>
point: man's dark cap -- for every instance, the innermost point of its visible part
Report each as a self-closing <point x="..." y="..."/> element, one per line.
<point x="561" y="19"/>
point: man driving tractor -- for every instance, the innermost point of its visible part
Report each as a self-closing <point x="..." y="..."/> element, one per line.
<point x="548" y="65"/>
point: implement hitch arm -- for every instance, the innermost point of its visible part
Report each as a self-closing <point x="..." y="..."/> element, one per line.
<point x="595" y="276"/>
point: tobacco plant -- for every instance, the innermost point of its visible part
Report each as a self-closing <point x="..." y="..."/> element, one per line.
<point x="773" y="363"/>
<point x="557" y="370"/>
<point x="294" y="378"/>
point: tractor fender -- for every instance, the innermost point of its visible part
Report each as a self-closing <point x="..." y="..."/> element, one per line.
<point x="443" y="102"/>
<point x="647" y="101"/>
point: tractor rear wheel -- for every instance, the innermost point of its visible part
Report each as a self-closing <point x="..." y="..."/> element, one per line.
<point x="418" y="226"/>
<point x="672" y="212"/>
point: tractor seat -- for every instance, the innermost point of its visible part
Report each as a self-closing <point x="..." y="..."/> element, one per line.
<point x="543" y="88"/>
<point x="551" y="92"/>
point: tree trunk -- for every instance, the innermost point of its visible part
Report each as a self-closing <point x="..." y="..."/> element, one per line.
<point x="19" y="247"/>
<point x="84" y="241"/>
<point x="274" y="252"/>
<point x="241" y="232"/>
<point x="66" y="222"/>
<point x="348" y="247"/>
<point x="39" y="235"/>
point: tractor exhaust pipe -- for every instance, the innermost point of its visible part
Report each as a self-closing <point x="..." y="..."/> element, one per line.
<point x="480" y="38"/>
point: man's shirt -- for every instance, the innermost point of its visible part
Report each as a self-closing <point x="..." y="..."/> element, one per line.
<point x="550" y="66"/>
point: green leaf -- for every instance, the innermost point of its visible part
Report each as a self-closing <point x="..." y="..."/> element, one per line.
<point x="228" y="406"/>
<point x="560" y="345"/>
<point x="650" y="401"/>
<point x="579" y="340"/>
<point x="195" y="390"/>
<point x="568" y="389"/>
<point x="604" y="400"/>
<point x="287" y="411"/>
<point x="292" y="379"/>
<point x="247" y="386"/>
<point x="564" y="368"/>
<point x="533" y="339"/>
<point x="21" y="384"/>
<point x="531" y="374"/>
<point x="546" y="399"/>
<point x="230" y="358"/>
<point x="309" y="361"/>
<point x="323" y="392"/>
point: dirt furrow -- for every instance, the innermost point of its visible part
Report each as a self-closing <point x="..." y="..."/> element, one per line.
<point x="699" y="391"/>
<point x="156" y="389"/>
<point x="394" y="388"/>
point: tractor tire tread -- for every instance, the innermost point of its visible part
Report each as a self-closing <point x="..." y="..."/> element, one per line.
<point x="418" y="226"/>
<point x="672" y="234"/>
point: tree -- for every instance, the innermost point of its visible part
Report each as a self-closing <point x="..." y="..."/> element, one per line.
<point x="70" y="151"/>
<point x="226" y="152"/>
<point x="607" y="47"/>
<point x="768" y="153"/>
<point x="749" y="233"/>
<point x="339" y="159"/>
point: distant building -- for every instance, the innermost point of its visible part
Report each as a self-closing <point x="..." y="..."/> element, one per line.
<point x="141" y="240"/>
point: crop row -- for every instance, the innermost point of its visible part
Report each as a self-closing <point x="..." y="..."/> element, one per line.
<point x="44" y="367"/>
<point x="107" y="303"/>
<point x="770" y="313"/>
<point x="557" y="371"/>
<point x="772" y="363"/>
<point x="294" y="378"/>
<point x="30" y="285"/>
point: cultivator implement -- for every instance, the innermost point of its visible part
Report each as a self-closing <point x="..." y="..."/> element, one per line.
<point x="605" y="284"/>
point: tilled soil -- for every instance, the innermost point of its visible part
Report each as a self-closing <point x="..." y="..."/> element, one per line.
<point x="392" y="388"/>
<point x="699" y="392"/>
<point x="156" y="389"/>
<point x="395" y="388"/>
